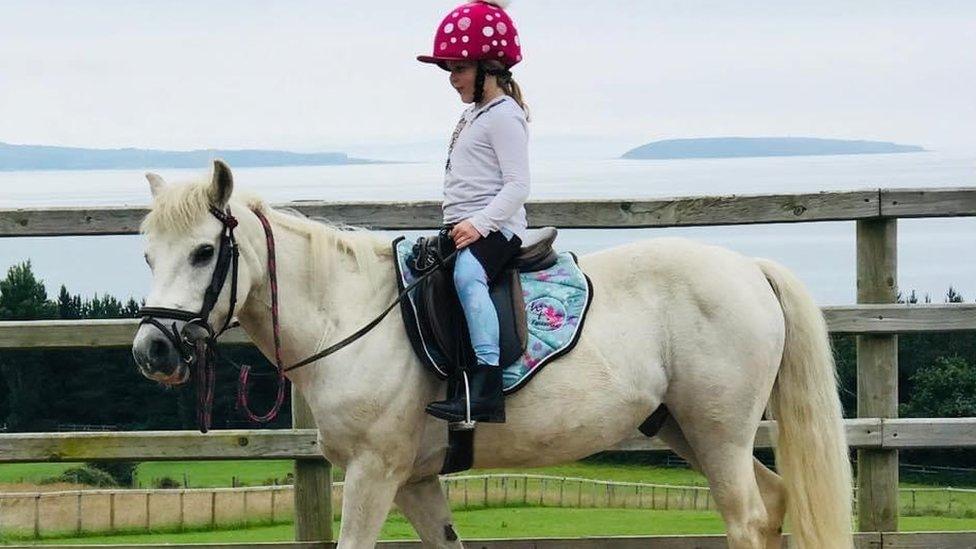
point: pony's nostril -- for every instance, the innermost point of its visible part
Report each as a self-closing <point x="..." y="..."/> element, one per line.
<point x="158" y="349"/>
<point x="161" y="356"/>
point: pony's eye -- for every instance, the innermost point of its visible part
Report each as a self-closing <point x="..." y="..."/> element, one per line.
<point x="202" y="254"/>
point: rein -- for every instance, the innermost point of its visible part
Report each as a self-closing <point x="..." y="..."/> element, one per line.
<point x="427" y="260"/>
<point x="197" y="341"/>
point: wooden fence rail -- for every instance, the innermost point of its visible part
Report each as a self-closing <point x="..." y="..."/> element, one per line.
<point x="579" y="214"/>
<point x="862" y="433"/>
<point x="848" y="319"/>
<point x="876" y="321"/>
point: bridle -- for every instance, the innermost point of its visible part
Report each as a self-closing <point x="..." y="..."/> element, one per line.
<point x="228" y="257"/>
<point x="197" y="341"/>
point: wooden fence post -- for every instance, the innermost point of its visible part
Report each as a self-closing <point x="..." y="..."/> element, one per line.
<point x="78" y="515"/>
<point x="37" y="516"/>
<point x="274" y="491"/>
<point x="245" y="507"/>
<point x="111" y="512"/>
<point x="877" y="375"/>
<point x="313" y="484"/>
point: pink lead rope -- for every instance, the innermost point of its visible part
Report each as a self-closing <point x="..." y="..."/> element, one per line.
<point x="242" y="398"/>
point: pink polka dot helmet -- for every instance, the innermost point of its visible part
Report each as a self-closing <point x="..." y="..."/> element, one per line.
<point x="476" y="31"/>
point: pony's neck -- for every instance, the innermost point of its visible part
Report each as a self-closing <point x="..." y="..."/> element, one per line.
<point x="324" y="293"/>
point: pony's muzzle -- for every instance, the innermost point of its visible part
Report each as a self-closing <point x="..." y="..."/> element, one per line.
<point x="156" y="356"/>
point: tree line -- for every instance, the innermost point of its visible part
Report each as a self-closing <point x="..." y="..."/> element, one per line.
<point x="55" y="390"/>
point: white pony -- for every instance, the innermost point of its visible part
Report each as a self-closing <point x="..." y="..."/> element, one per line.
<point x="714" y="335"/>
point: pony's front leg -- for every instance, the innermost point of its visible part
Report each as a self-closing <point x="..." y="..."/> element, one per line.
<point x="425" y="506"/>
<point x="370" y="486"/>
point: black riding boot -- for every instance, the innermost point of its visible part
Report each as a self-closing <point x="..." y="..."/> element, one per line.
<point x="487" y="401"/>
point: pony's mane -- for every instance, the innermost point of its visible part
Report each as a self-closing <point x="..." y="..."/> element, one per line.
<point x="179" y="207"/>
<point x="355" y="242"/>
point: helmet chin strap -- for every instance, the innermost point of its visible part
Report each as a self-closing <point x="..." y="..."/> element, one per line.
<point x="479" y="84"/>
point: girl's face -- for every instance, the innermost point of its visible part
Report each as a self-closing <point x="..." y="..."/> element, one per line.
<point x="462" y="78"/>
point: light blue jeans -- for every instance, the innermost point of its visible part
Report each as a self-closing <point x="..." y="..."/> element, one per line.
<point x="471" y="282"/>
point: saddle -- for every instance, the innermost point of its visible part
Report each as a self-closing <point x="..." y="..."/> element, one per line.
<point x="541" y="297"/>
<point x="440" y="317"/>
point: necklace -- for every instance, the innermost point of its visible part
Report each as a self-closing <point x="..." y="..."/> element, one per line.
<point x="462" y="123"/>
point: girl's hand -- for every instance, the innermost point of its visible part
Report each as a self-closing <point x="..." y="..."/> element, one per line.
<point x="464" y="234"/>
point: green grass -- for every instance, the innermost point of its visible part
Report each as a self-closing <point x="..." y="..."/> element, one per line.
<point x="509" y="522"/>
<point x="33" y="473"/>
<point x="512" y="522"/>
<point x="208" y="474"/>
<point x="621" y="473"/>
<point x="201" y="474"/>
<point x="935" y="524"/>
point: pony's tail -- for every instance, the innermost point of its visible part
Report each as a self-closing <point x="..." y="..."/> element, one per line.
<point x="811" y="452"/>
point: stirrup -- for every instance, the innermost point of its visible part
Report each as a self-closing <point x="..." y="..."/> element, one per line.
<point x="468" y="424"/>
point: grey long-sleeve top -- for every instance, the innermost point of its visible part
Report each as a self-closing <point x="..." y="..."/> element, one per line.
<point x="487" y="178"/>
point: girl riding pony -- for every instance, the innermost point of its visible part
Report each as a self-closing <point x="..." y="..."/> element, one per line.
<point x="486" y="182"/>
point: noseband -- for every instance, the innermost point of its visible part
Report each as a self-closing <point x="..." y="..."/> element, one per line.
<point x="197" y="341"/>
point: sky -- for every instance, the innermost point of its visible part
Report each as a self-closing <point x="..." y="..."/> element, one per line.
<point x="341" y="75"/>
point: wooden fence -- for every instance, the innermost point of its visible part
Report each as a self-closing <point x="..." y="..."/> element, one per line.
<point x="876" y="320"/>
<point x="103" y="511"/>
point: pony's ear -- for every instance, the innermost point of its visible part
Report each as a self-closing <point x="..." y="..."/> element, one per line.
<point x="156" y="183"/>
<point x="221" y="185"/>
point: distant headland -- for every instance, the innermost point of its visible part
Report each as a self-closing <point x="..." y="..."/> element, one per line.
<point x="40" y="157"/>
<point x="741" y="147"/>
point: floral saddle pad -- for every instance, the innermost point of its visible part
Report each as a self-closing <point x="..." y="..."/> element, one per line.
<point x="554" y="300"/>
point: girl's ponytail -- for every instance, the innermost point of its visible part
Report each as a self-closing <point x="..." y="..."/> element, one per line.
<point x="507" y="83"/>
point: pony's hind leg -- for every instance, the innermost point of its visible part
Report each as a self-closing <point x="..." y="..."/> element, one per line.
<point x="732" y="478"/>
<point x="425" y="506"/>
<point x="774" y="497"/>
<point x="718" y="432"/>
<point x="751" y="502"/>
